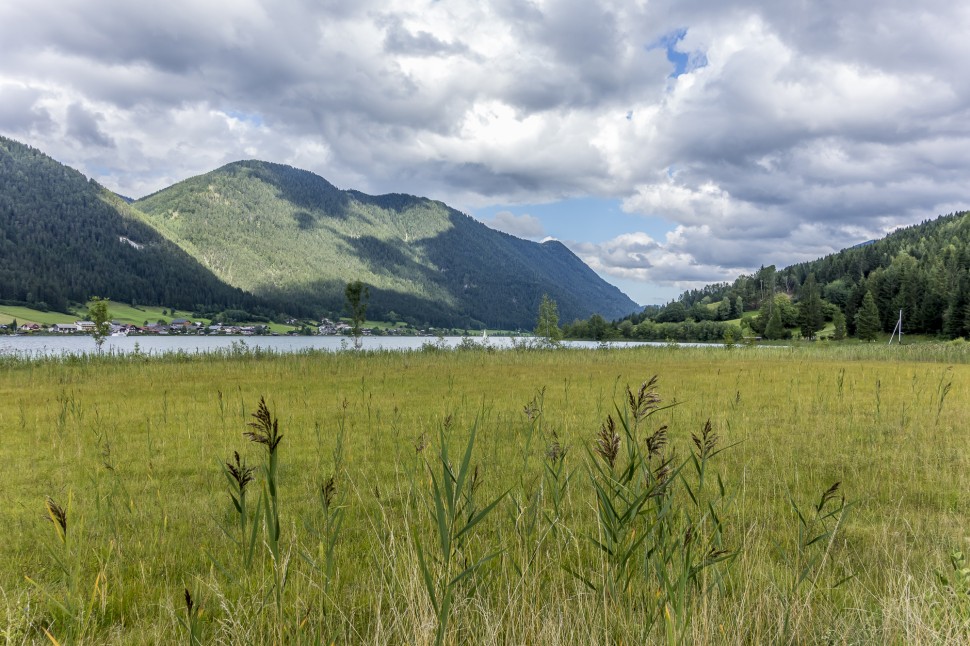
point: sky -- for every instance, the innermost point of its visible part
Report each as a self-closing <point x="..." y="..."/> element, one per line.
<point x="668" y="143"/>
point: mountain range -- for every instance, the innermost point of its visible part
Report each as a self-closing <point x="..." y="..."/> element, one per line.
<point x="274" y="239"/>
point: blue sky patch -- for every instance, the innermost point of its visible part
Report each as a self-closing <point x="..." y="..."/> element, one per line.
<point x="683" y="61"/>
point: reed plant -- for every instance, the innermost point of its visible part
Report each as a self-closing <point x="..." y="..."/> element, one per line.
<point x="456" y="514"/>
<point x="74" y="605"/>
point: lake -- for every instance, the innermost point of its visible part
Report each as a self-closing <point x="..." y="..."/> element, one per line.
<point x="37" y="346"/>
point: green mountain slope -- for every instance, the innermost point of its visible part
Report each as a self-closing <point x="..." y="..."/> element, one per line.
<point x="922" y="270"/>
<point x="288" y="234"/>
<point x="64" y="238"/>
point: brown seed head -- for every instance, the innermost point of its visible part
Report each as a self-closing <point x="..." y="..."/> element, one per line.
<point x="830" y="494"/>
<point x="58" y="516"/>
<point x="328" y="491"/>
<point x="242" y="474"/>
<point x="555" y="451"/>
<point x="657" y="442"/>
<point x="266" y="428"/>
<point x="707" y="441"/>
<point x="608" y="442"/>
<point x="646" y="401"/>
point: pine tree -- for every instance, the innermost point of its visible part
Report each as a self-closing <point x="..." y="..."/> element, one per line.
<point x="867" y="319"/>
<point x="839" y="320"/>
<point x="775" y="329"/>
<point x="811" y="317"/>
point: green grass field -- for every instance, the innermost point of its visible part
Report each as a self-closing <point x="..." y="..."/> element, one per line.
<point x="726" y="538"/>
<point x="120" y="312"/>
<point x="26" y="315"/>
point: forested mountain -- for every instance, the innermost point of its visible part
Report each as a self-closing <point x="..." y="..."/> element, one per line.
<point x="288" y="234"/>
<point x="64" y="238"/>
<point x="923" y="270"/>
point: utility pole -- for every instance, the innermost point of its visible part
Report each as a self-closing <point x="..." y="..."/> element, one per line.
<point x="898" y="330"/>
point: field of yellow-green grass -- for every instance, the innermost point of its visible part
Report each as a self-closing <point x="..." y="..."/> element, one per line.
<point x="488" y="497"/>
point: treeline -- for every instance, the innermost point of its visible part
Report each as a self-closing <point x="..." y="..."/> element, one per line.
<point x="922" y="271"/>
<point x="65" y="239"/>
<point x="597" y="328"/>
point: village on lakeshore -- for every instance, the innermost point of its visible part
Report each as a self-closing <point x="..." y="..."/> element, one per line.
<point x="184" y="326"/>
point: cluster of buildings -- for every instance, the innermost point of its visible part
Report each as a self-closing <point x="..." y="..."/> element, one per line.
<point x="177" y="326"/>
<point x="186" y="326"/>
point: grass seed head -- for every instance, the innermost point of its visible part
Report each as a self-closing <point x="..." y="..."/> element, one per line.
<point x="555" y="451"/>
<point x="646" y="401"/>
<point x="707" y="441"/>
<point x="420" y="443"/>
<point x="328" y="491"/>
<point x="58" y="516"/>
<point x="831" y="493"/>
<point x="657" y="442"/>
<point x="266" y="427"/>
<point x="608" y="442"/>
<point x="242" y="474"/>
<point x="662" y="474"/>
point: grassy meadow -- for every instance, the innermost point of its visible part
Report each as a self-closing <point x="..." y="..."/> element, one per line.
<point x="488" y="497"/>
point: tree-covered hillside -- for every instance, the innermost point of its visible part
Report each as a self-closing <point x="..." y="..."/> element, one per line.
<point x="285" y="233"/>
<point x="64" y="238"/>
<point x="922" y="270"/>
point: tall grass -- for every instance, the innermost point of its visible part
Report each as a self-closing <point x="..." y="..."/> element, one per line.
<point x="595" y="532"/>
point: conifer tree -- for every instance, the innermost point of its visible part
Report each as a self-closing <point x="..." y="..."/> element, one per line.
<point x="811" y="317"/>
<point x="867" y="319"/>
<point x="775" y="329"/>
<point x="839" y="320"/>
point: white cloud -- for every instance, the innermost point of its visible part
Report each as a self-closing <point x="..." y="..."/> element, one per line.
<point x="796" y="129"/>
<point x="523" y="226"/>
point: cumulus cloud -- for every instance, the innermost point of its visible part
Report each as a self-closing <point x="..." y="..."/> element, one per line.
<point x="20" y="111"/>
<point x="83" y="126"/>
<point x="637" y="256"/>
<point x="523" y="226"/>
<point x="766" y="132"/>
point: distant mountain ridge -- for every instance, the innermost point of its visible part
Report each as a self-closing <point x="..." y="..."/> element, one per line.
<point x="285" y="233"/>
<point x="64" y="238"/>
<point x="270" y="238"/>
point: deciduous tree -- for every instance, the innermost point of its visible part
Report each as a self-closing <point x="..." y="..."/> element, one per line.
<point x="357" y="295"/>
<point x="98" y="313"/>
<point x="547" y="326"/>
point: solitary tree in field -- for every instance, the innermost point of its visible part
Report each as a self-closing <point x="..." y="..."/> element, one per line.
<point x="867" y="319"/>
<point x="98" y="313"/>
<point x="547" y="327"/>
<point x="357" y="294"/>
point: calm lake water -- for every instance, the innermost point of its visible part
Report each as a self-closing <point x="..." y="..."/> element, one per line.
<point x="35" y="346"/>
